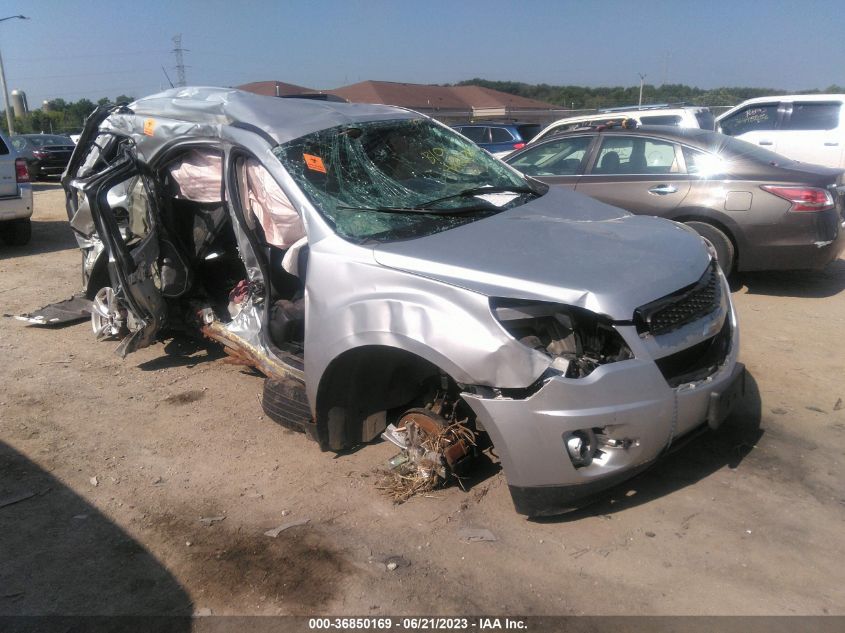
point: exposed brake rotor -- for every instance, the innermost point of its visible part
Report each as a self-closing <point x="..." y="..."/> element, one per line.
<point x="435" y="445"/>
<point x="108" y="319"/>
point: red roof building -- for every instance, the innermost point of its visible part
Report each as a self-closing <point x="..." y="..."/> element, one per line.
<point x="274" y="88"/>
<point x="450" y="103"/>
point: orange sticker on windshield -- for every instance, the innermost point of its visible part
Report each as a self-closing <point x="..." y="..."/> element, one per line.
<point x="149" y="126"/>
<point x="314" y="163"/>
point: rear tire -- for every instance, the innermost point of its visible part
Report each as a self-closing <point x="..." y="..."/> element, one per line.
<point x="285" y="403"/>
<point x="16" y="232"/>
<point x="721" y="243"/>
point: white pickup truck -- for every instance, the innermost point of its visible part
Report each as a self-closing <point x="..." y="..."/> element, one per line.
<point x="15" y="197"/>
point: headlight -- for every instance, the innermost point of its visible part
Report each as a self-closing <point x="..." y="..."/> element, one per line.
<point x="576" y="340"/>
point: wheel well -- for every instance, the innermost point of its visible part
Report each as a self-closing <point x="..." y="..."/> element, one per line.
<point x="361" y="386"/>
<point x="99" y="276"/>
<point x="690" y="215"/>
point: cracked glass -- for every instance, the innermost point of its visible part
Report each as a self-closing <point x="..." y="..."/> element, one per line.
<point x="399" y="179"/>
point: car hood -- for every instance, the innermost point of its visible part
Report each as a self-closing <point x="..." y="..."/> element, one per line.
<point x="562" y="247"/>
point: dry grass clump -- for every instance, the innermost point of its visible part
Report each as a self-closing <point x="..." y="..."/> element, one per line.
<point x="406" y="481"/>
<point x="411" y="479"/>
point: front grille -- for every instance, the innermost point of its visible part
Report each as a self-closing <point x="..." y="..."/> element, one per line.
<point x="699" y="361"/>
<point x="685" y="306"/>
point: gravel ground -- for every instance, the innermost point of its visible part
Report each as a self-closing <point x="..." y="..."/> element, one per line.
<point x="155" y="478"/>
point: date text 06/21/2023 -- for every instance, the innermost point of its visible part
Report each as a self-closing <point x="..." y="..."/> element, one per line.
<point x="417" y="623"/>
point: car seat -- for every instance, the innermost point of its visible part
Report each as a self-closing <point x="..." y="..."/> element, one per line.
<point x="609" y="163"/>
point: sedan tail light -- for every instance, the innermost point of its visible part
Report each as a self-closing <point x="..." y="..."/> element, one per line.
<point x="21" y="172"/>
<point x="518" y="145"/>
<point x="803" y="198"/>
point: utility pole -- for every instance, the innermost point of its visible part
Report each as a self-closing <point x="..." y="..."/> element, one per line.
<point x="642" y="79"/>
<point x="180" y="62"/>
<point x="10" y="119"/>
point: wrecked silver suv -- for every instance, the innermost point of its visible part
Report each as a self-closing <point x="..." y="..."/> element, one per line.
<point x="390" y="278"/>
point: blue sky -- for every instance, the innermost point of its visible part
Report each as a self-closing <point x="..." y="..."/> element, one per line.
<point x="72" y="49"/>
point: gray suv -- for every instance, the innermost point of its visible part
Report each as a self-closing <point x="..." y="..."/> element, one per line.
<point x="388" y="277"/>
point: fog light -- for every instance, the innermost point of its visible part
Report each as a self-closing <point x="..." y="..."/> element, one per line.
<point x="581" y="446"/>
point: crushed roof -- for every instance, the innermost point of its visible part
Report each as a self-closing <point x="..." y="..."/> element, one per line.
<point x="281" y="119"/>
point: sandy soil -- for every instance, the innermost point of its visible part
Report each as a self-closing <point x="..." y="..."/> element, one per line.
<point x="125" y="459"/>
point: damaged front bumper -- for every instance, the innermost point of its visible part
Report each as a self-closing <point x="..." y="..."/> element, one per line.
<point x="626" y="411"/>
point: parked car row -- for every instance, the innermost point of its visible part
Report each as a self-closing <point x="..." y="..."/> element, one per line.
<point x="45" y="154"/>
<point x="758" y="209"/>
<point x="664" y="114"/>
<point x="390" y="277"/>
<point x="500" y="139"/>
<point x="23" y="159"/>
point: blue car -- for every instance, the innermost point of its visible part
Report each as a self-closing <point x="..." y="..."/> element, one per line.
<point x="500" y="139"/>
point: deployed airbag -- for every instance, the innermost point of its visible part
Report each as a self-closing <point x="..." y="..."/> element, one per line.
<point x="280" y="221"/>
<point x="199" y="176"/>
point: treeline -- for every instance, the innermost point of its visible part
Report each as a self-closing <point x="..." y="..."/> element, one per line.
<point x="59" y="117"/>
<point x="581" y="97"/>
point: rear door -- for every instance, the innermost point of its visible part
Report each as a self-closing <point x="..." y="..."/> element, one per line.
<point x="501" y="141"/>
<point x="478" y="134"/>
<point x="641" y="174"/>
<point x="755" y="123"/>
<point x="811" y="132"/>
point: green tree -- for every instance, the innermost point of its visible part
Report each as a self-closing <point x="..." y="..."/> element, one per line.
<point x="581" y="97"/>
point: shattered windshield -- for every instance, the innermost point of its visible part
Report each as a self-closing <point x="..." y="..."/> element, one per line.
<point x="399" y="179"/>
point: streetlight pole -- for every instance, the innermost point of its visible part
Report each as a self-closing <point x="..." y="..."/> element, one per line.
<point x="9" y="117"/>
<point x="642" y="79"/>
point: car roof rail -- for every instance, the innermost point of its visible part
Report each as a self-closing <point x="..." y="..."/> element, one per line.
<point x="650" y="106"/>
<point x="624" y="124"/>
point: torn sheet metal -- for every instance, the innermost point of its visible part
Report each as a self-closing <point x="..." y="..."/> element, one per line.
<point x="77" y="308"/>
<point x="251" y="354"/>
<point x="281" y="119"/>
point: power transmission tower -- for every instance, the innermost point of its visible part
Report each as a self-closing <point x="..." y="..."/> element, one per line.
<point x="180" y="62"/>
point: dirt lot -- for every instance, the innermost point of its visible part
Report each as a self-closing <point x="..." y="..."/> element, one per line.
<point x="127" y="457"/>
